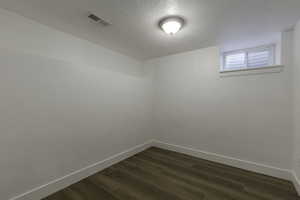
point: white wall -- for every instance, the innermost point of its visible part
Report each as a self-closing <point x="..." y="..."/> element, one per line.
<point x="297" y="99"/>
<point x="244" y="117"/>
<point x="65" y="104"/>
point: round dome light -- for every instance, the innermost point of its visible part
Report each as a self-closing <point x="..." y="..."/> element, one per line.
<point x="171" y="25"/>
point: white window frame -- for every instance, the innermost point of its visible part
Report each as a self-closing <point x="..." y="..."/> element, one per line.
<point x="272" y="60"/>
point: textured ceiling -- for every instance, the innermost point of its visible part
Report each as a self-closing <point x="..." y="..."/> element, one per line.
<point x="134" y="30"/>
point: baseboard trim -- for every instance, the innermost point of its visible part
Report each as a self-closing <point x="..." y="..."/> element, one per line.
<point x="243" y="164"/>
<point x="63" y="182"/>
<point x="60" y="183"/>
<point x="296" y="182"/>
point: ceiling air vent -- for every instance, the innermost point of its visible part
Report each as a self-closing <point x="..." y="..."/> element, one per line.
<point x="94" y="18"/>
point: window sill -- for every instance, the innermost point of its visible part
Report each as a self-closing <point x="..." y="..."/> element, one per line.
<point x="252" y="71"/>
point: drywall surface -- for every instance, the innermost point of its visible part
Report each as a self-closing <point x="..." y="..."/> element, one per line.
<point x="297" y="99"/>
<point x="245" y="117"/>
<point x="65" y="104"/>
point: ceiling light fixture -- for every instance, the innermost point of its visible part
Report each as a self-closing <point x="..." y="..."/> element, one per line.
<point x="171" y="25"/>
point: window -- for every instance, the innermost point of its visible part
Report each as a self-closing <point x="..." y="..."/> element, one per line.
<point x="258" y="57"/>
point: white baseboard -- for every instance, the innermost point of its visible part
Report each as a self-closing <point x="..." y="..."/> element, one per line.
<point x="60" y="183"/>
<point x="243" y="164"/>
<point x="296" y="182"/>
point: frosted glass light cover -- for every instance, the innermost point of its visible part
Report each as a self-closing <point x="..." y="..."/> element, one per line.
<point x="171" y="25"/>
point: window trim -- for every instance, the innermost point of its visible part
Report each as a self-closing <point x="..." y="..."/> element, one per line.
<point x="272" y="59"/>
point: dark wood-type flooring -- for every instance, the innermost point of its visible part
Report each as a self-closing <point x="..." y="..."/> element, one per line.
<point x="157" y="174"/>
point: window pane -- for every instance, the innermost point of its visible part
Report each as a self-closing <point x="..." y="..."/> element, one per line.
<point x="259" y="58"/>
<point x="234" y="61"/>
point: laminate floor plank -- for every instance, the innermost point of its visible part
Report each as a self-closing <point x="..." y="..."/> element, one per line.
<point x="158" y="174"/>
<point x="269" y="189"/>
<point x="240" y="173"/>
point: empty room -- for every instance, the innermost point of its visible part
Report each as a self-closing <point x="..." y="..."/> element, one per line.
<point x="150" y="100"/>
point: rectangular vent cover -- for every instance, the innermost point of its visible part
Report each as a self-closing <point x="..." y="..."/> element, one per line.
<point x="98" y="20"/>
